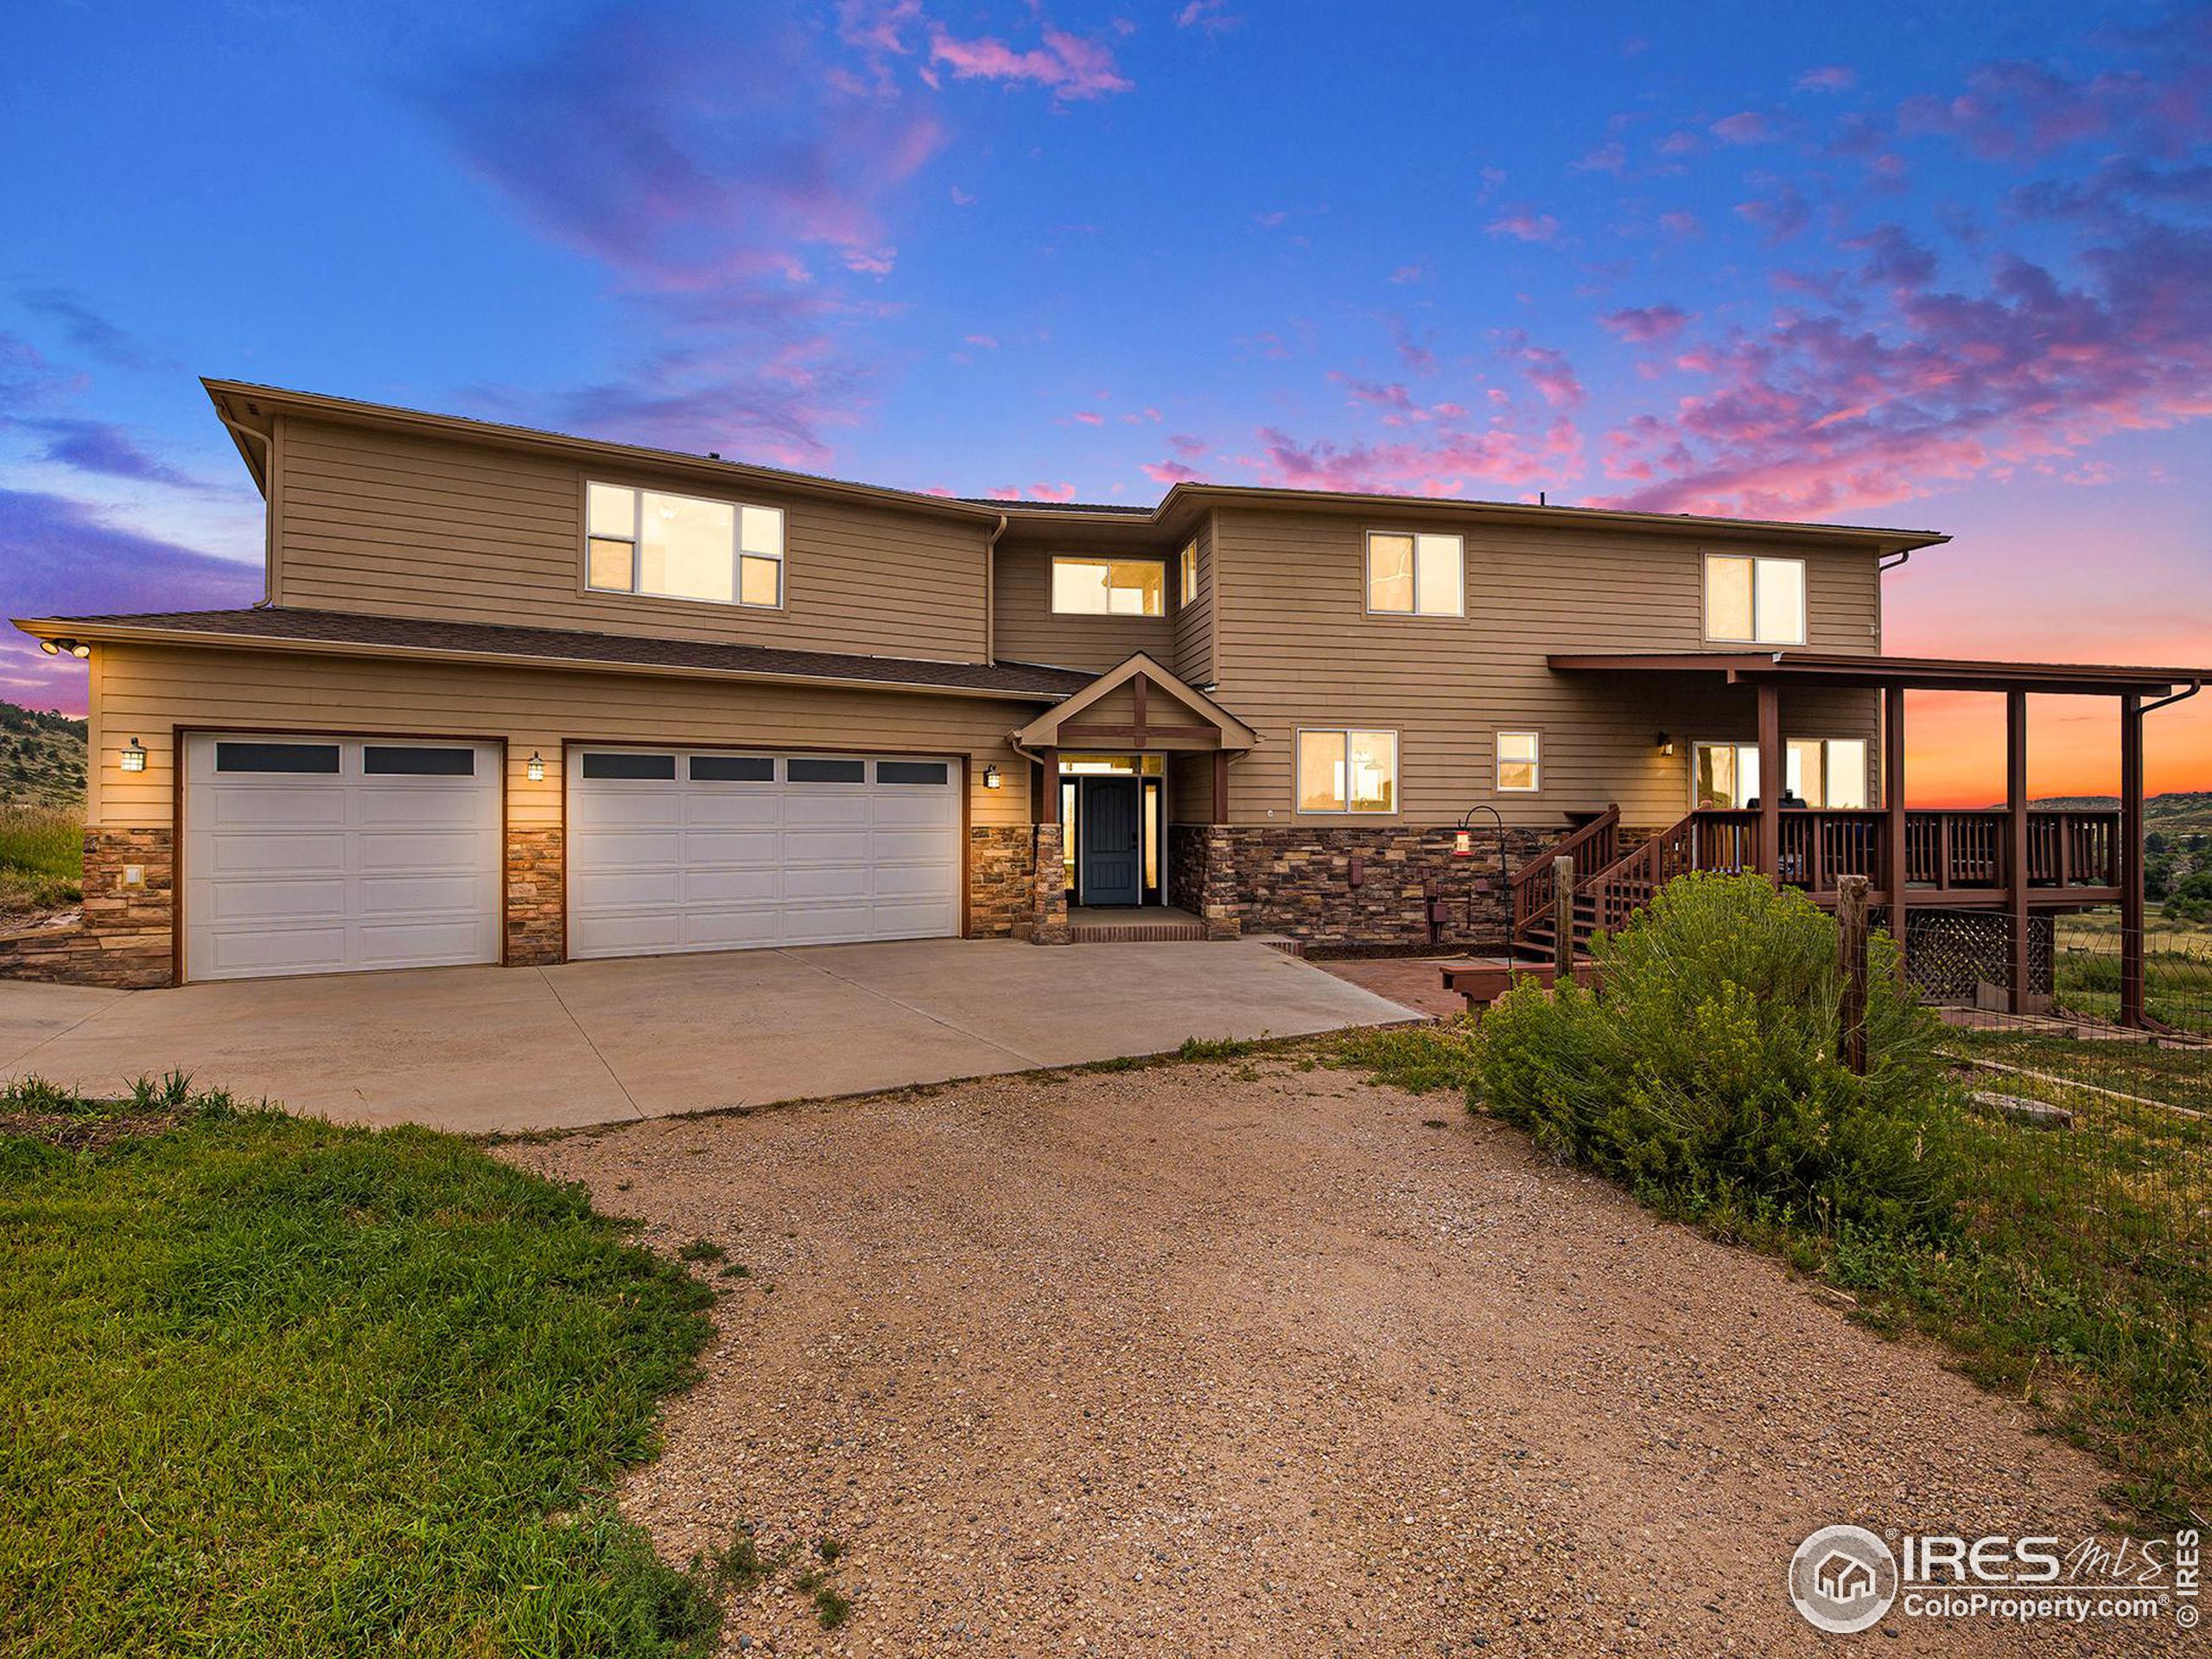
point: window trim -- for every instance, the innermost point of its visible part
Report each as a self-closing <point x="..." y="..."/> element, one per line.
<point x="635" y="542"/>
<point x="1187" y="567"/>
<point x="1398" y="807"/>
<point x="1497" y="760"/>
<point x="1109" y="559"/>
<point x="1417" y="615"/>
<point x="1804" y="599"/>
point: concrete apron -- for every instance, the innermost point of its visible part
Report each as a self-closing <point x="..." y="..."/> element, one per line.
<point x="479" y="1050"/>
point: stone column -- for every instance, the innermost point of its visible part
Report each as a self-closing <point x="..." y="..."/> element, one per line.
<point x="1048" y="912"/>
<point x="536" y="902"/>
<point x="1218" y="906"/>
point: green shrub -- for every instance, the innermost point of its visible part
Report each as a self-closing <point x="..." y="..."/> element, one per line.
<point x="1705" y="1073"/>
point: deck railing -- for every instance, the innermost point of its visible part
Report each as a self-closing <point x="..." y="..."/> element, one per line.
<point x="1592" y="847"/>
<point x="1945" y="852"/>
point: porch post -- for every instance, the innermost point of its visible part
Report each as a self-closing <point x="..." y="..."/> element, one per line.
<point x="1220" y="786"/>
<point x="1048" y="786"/>
<point x="1774" y="773"/>
<point x="1893" y="803"/>
<point x="2131" y="860"/>
<point x="2016" y="841"/>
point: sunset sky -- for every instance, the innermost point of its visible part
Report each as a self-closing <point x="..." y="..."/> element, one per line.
<point x="1942" y="267"/>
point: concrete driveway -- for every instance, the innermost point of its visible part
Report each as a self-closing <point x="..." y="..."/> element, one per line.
<point x="476" y="1050"/>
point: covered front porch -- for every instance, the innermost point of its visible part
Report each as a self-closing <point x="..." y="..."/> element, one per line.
<point x="1113" y="768"/>
<point x="2011" y="861"/>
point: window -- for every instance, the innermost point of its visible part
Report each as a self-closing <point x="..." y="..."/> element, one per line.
<point x="379" y="760"/>
<point x="911" y="772"/>
<point x="1412" y="575"/>
<point x="1189" y="587"/>
<point x="1754" y="602"/>
<point x="276" y="757"/>
<point x="1821" y="772"/>
<point x="1520" y="762"/>
<point x="803" y="770"/>
<point x="651" y="767"/>
<point x="1347" y="771"/>
<point x="733" y="769"/>
<point x="1110" y="587"/>
<point x="680" y="546"/>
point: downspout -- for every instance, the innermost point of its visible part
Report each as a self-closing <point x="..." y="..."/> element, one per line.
<point x="990" y="592"/>
<point x="267" y="447"/>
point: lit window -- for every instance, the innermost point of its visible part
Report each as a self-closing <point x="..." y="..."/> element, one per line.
<point x="1754" y="602"/>
<point x="1190" y="574"/>
<point x="1828" y="772"/>
<point x="1110" y="587"/>
<point x="1347" y="771"/>
<point x="1416" y="575"/>
<point x="1519" y="764"/>
<point x="680" y="546"/>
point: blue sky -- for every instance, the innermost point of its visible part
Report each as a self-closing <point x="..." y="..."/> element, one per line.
<point x="1942" y="266"/>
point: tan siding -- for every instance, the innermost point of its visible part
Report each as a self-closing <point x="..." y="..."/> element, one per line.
<point x="406" y="526"/>
<point x="1194" y="625"/>
<point x="1296" y="648"/>
<point x="151" y="690"/>
<point x="1028" y="632"/>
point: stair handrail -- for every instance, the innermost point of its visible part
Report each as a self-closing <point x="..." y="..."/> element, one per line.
<point x="1645" y="868"/>
<point x="1531" y="893"/>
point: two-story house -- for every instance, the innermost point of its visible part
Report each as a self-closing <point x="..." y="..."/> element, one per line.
<point x="514" y="696"/>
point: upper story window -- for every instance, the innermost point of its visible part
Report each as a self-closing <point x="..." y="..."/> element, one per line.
<point x="1188" y="566"/>
<point x="1754" y="602"/>
<point x="1110" y="587"/>
<point x="681" y="547"/>
<point x="1410" y="575"/>
<point x="1343" y="771"/>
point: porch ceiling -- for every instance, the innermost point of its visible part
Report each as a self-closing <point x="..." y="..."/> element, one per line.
<point x="1909" y="673"/>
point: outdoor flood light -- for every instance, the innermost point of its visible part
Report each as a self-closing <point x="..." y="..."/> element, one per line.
<point x="991" y="779"/>
<point x="55" y="647"/>
<point x="537" y="767"/>
<point x="134" y="758"/>
<point x="1666" y="744"/>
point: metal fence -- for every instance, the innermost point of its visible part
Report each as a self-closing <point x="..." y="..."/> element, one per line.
<point x="2091" y="1153"/>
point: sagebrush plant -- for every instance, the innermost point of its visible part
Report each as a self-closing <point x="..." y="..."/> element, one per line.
<point x="1705" y="1073"/>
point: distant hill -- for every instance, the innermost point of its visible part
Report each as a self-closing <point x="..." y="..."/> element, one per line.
<point x="2183" y="812"/>
<point x="42" y="757"/>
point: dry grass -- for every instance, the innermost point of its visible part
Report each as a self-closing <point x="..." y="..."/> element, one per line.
<point x="41" y="859"/>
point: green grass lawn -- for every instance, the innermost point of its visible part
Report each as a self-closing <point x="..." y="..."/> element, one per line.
<point x="274" y="1387"/>
<point x="2083" y="1276"/>
<point x="41" y="858"/>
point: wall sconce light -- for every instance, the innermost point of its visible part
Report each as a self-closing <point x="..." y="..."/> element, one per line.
<point x="134" y="758"/>
<point x="1463" y="844"/>
<point x="535" y="767"/>
<point x="1666" y="744"/>
<point x="991" y="779"/>
<point x="55" y="647"/>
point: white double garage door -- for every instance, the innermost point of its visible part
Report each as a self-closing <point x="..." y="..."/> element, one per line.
<point x="307" y="856"/>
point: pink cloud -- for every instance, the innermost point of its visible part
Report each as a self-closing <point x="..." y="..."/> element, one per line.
<point x="1210" y="16"/>
<point x="1090" y="417"/>
<point x="1682" y="224"/>
<point x="1749" y="127"/>
<point x="1451" y="465"/>
<point x="1168" y="472"/>
<point x="1072" y="67"/>
<point x="1525" y="226"/>
<point x="1781" y="213"/>
<point x="1052" y="492"/>
<point x="1548" y="371"/>
<point x="1830" y="77"/>
<point x="1647" y="324"/>
<point x="1405" y="275"/>
<point x="1612" y="157"/>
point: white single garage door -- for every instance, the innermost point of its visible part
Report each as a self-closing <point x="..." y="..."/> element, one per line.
<point x="681" y="849"/>
<point x="310" y="856"/>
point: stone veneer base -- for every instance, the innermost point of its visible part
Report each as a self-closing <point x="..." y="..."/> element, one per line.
<point x="125" y="935"/>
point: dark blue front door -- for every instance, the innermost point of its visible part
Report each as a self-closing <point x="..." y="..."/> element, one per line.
<point x="1111" y="869"/>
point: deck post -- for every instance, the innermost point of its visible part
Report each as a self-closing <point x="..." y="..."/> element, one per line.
<point x="1774" y="774"/>
<point x="2131" y="860"/>
<point x="1851" y="959"/>
<point x="1563" y="920"/>
<point x="2016" y="842"/>
<point x="1899" y="866"/>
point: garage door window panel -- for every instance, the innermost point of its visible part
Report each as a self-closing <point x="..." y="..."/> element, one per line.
<point x="641" y="767"/>
<point x="278" y="757"/>
<point x="379" y="760"/>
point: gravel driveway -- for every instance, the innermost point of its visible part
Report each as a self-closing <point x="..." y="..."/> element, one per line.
<point x="1259" y="1358"/>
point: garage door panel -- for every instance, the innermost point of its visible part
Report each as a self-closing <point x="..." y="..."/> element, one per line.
<point x="909" y="881"/>
<point x="732" y="887"/>
<point x="332" y="872"/>
<point x="628" y="849"/>
<point x="247" y="854"/>
<point x="826" y="846"/>
<point x="932" y="808"/>
<point x="709" y="808"/>
<point x="246" y="802"/>
<point x="908" y="846"/>
<point x="820" y="808"/>
<point x="599" y="804"/>
<point x="619" y="890"/>
<point x="709" y="928"/>
<point x="732" y="846"/>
